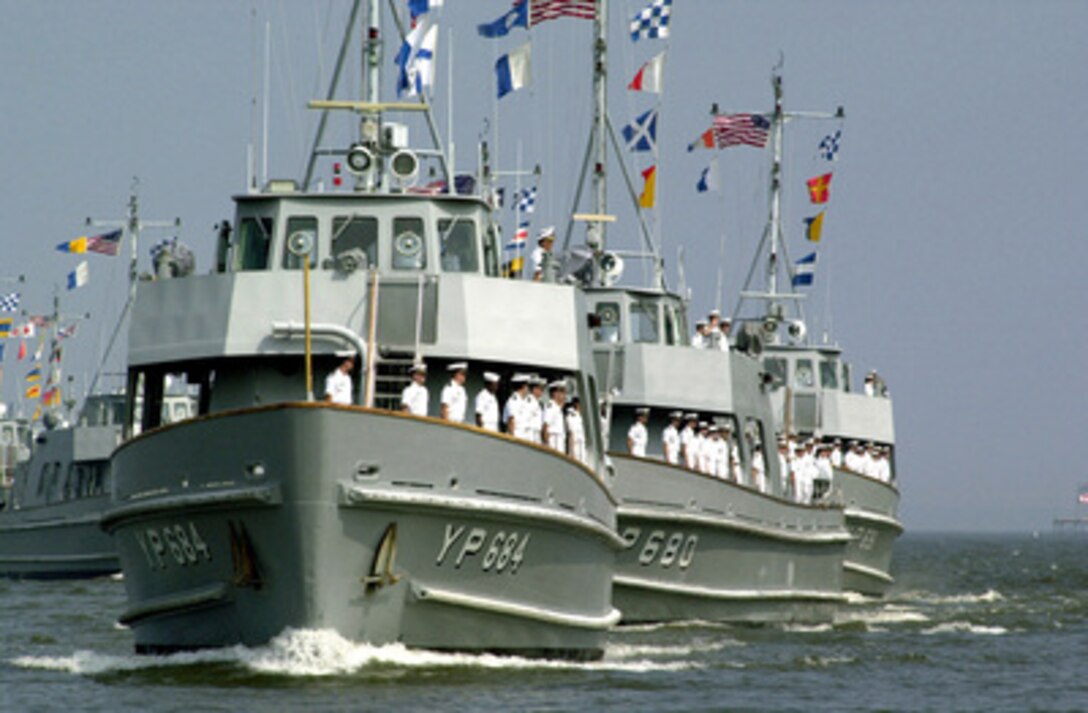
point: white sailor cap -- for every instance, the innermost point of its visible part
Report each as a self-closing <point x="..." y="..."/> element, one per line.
<point x="703" y="425"/>
<point x="420" y="367"/>
<point x="715" y="313"/>
<point x="557" y="384"/>
<point x="519" y="379"/>
<point x="642" y="410"/>
<point x="691" y="416"/>
<point x="676" y="414"/>
<point x="727" y="320"/>
<point x="458" y="366"/>
<point x="714" y="428"/>
<point x="700" y="322"/>
<point x="346" y="354"/>
<point x="546" y="234"/>
<point x="491" y="377"/>
<point x="537" y="380"/>
<point x="727" y="426"/>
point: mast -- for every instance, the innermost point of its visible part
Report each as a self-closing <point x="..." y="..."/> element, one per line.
<point x="600" y="115"/>
<point x="772" y="240"/>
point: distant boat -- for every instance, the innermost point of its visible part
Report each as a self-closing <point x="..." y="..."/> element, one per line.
<point x="55" y="489"/>
<point x="814" y="401"/>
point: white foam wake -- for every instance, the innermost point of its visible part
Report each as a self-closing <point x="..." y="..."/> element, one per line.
<point x="309" y="653"/>
<point x="965" y="627"/>
<point x="989" y="596"/>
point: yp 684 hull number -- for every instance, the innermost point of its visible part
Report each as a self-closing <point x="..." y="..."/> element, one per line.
<point x="497" y="551"/>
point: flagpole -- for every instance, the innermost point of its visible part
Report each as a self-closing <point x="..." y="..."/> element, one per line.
<point x="600" y="123"/>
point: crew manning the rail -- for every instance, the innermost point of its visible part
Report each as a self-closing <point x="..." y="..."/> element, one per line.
<point x="637" y="436"/>
<point x="454" y="397"/>
<point x="415" y="397"/>
<point x="487" y="403"/>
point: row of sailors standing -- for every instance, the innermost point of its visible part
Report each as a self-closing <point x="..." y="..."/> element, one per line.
<point x="704" y="447"/>
<point x="526" y="414"/>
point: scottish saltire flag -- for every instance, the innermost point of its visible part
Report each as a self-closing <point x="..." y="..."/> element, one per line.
<point x="79" y="276"/>
<point x="641" y="135"/>
<point x="513" y="70"/>
<point x="708" y="180"/>
<point x="829" y="146"/>
<point x="518" y="17"/>
<point x="415" y="60"/>
<point x="649" y="188"/>
<point x="653" y="21"/>
<point x="741" y="129"/>
<point x="9" y="303"/>
<point x="526" y="201"/>
<point x="814" y="226"/>
<point x="803" y="270"/>
<point x="650" y="77"/>
<point x="819" y="188"/>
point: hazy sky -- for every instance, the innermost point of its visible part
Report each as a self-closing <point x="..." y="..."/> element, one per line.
<point x="954" y="243"/>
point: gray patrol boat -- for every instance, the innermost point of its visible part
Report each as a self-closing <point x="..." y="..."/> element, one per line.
<point x="700" y="543"/>
<point x="271" y="510"/>
<point x="54" y="487"/>
<point x="812" y="394"/>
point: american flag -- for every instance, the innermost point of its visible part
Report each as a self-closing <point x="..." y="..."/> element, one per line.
<point x="738" y="129"/>
<point x="106" y="243"/>
<point x="541" y="10"/>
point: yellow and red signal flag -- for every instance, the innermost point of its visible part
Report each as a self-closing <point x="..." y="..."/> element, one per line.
<point x="819" y="188"/>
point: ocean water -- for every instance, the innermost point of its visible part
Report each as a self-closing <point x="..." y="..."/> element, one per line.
<point x="975" y="623"/>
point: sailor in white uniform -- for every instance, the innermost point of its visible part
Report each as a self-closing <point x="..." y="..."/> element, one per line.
<point x="703" y="448"/>
<point x="543" y="252"/>
<point x="454" y="398"/>
<point x="670" y="438"/>
<point x="534" y="407"/>
<point x="853" y="459"/>
<point x="699" y="339"/>
<point x="338" y="382"/>
<point x="723" y="329"/>
<point x="555" y="429"/>
<point x="822" y="487"/>
<point x="414" y="398"/>
<point x="717" y="454"/>
<point x="687" y="440"/>
<point x="487" y="405"/>
<point x="836" y="454"/>
<point x="576" y="432"/>
<point x="732" y="454"/>
<point x="784" y="469"/>
<point x="514" y="415"/>
<point x="759" y="469"/>
<point x="637" y="435"/>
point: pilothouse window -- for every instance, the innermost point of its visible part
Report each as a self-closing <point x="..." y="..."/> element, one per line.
<point x="457" y="240"/>
<point x="608" y="314"/>
<point x="829" y="375"/>
<point x="251" y="247"/>
<point x="644" y="321"/>
<point x="355" y="238"/>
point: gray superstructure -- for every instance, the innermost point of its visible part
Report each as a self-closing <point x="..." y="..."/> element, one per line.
<point x="55" y="487"/>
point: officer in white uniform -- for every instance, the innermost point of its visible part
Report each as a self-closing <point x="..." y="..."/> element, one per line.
<point x="514" y="414"/>
<point x="703" y="449"/>
<point x="732" y="454"/>
<point x="555" y="429"/>
<point x="415" y="397"/>
<point x="784" y="468"/>
<point x="338" y="382"/>
<point x="724" y="328"/>
<point x="543" y="252"/>
<point x="487" y="405"/>
<point x="637" y="435"/>
<point x="717" y="454"/>
<point x="454" y="397"/>
<point x="670" y="438"/>
<point x="576" y="432"/>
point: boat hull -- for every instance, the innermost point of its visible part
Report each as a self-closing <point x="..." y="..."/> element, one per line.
<point x="702" y="548"/>
<point x="872" y="509"/>
<point x="383" y="527"/>
<point x="57" y="541"/>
